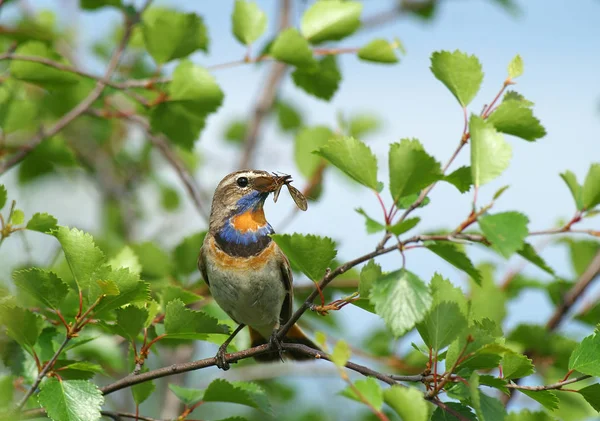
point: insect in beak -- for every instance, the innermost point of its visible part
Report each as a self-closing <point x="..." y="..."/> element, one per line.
<point x="297" y="196"/>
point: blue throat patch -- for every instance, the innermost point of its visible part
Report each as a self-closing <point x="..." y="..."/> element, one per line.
<point x="250" y="202"/>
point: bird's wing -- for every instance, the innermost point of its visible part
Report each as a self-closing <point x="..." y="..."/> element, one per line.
<point x="287" y="279"/>
<point x="202" y="265"/>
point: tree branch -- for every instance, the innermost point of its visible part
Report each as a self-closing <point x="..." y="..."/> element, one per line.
<point x="587" y="277"/>
<point x="267" y="97"/>
<point x="185" y="176"/>
<point x="83" y="105"/>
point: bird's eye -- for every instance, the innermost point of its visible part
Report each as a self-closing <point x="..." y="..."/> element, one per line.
<point x="242" y="181"/>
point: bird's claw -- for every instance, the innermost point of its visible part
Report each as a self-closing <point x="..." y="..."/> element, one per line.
<point x="221" y="358"/>
<point x="276" y="344"/>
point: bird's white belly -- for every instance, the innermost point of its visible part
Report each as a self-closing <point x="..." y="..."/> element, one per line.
<point x="252" y="297"/>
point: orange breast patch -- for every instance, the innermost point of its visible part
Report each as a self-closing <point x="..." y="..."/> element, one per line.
<point x="249" y="221"/>
<point x="226" y="261"/>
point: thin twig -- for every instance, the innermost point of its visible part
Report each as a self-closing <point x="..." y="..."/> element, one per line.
<point x="554" y="386"/>
<point x="43" y="373"/>
<point x="118" y="415"/>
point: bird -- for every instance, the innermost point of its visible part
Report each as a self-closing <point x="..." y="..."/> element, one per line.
<point x="248" y="275"/>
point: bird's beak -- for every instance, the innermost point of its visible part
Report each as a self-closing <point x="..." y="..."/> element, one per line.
<point x="271" y="183"/>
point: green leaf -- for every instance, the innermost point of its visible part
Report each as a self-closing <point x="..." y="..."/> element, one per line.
<point x="591" y="187"/>
<point x="22" y="325"/>
<point x="442" y="290"/>
<point x="38" y="73"/>
<point x="526" y="415"/>
<point x="529" y="253"/>
<point x="330" y="20"/>
<point x="142" y="391"/>
<point x="185" y="254"/>
<point x="546" y="398"/>
<point x="461" y="179"/>
<point x="488" y="300"/>
<point x="243" y="393"/>
<point x="291" y="48"/>
<point x="169" y="198"/>
<point x="512" y="117"/>
<point x="494" y="382"/>
<point x="173" y="292"/>
<point x="97" y="4"/>
<point x="169" y="34"/>
<point x="7" y="391"/>
<point x="490" y="154"/>
<point x="18" y="217"/>
<point x="288" y="116"/>
<point x="235" y="132"/>
<point x="126" y="258"/>
<point x="515" y="67"/>
<point x="411" y="168"/>
<point x="440" y="415"/>
<point x="178" y="122"/>
<point x="310" y="253"/>
<point x="321" y="80"/>
<point x="460" y="72"/>
<point x="506" y="231"/>
<point x="403" y="226"/>
<point x="71" y="400"/>
<point x="515" y="96"/>
<point x="3" y="196"/>
<point x="443" y="324"/>
<point x="308" y="140"/>
<point x="486" y="408"/>
<point x="592" y="395"/>
<point x="341" y="353"/>
<point x="249" y="21"/>
<point x="131" y="320"/>
<point x="156" y="263"/>
<point x="42" y="222"/>
<point x="401" y="299"/>
<point x="372" y="225"/>
<point x="457" y="258"/>
<point x="408" y="402"/>
<point x="515" y="366"/>
<point x="575" y="187"/>
<point x="368" y="275"/>
<point x="586" y="358"/>
<point x="363" y="124"/>
<point x="379" y="51"/>
<point x="124" y="287"/>
<point x="369" y="389"/>
<point x="183" y="323"/>
<point x="582" y="252"/>
<point x="44" y="286"/>
<point x="187" y="395"/>
<point x="194" y="87"/>
<point x="81" y="253"/>
<point x="354" y="158"/>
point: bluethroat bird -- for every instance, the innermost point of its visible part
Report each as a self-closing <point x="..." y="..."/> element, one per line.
<point x="247" y="273"/>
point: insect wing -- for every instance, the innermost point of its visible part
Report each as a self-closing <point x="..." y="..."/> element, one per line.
<point x="276" y="194"/>
<point x="298" y="197"/>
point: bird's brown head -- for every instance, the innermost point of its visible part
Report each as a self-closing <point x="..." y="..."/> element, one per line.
<point x="240" y="196"/>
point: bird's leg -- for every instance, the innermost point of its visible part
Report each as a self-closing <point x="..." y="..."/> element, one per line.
<point x="221" y="360"/>
<point x="276" y="343"/>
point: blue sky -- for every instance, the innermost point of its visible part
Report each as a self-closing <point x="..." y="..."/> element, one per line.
<point x="558" y="41"/>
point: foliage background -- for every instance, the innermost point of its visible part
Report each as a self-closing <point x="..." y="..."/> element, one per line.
<point x="560" y="78"/>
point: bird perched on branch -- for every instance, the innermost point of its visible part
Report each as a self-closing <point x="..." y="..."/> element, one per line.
<point x="247" y="273"/>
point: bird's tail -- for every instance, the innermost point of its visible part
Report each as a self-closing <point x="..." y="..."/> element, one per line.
<point x="294" y="335"/>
